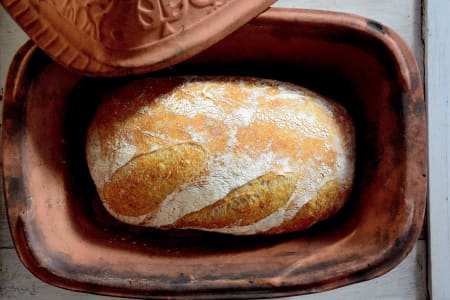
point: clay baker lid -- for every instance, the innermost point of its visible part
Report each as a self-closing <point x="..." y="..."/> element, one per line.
<point x="117" y="37"/>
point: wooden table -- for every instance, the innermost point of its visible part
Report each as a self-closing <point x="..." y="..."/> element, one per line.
<point x="407" y="281"/>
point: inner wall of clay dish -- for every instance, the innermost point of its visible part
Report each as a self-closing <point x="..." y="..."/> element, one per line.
<point x="341" y="71"/>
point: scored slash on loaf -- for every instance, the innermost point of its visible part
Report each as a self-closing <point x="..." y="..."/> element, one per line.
<point x="226" y="154"/>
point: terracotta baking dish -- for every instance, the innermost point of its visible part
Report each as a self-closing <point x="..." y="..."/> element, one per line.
<point x="65" y="237"/>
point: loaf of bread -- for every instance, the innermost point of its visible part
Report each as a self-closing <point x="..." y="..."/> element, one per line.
<point x="233" y="155"/>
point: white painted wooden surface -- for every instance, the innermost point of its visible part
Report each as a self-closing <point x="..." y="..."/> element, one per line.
<point x="406" y="281"/>
<point x="438" y="95"/>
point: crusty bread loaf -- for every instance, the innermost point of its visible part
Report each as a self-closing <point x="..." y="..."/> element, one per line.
<point x="227" y="154"/>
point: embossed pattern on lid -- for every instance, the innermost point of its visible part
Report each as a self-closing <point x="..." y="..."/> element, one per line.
<point x="118" y="37"/>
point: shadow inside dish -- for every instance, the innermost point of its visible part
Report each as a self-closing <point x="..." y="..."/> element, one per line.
<point x="86" y="207"/>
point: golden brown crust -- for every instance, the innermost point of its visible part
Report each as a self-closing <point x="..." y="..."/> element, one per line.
<point x="142" y="184"/>
<point x="244" y="139"/>
<point x="245" y="205"/>
<point x="328" y="201"/>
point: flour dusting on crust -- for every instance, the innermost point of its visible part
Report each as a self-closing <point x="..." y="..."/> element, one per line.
<point x="299" y="132"/>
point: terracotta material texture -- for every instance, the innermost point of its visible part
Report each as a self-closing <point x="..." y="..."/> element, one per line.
<point x="116" y="37"/>
<point x="65" y="237"/>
